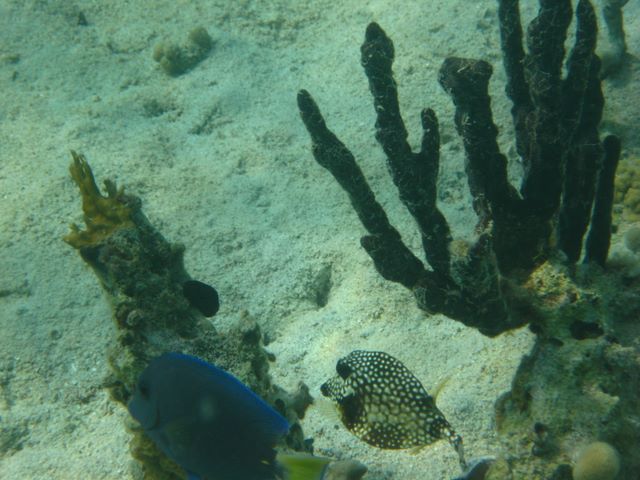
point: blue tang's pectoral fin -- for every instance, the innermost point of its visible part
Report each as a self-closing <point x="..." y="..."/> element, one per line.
<point x="177" y="440"/>
<point x="144" y="410"/>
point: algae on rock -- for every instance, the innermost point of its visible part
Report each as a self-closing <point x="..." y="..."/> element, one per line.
<point x="142" y="274"/>
<point x="102" y="215"/>
<point x="627" y="192"/>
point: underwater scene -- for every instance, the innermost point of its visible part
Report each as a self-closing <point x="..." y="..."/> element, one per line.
<point x="285" y="240"/>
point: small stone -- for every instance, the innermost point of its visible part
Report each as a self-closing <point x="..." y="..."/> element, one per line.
<point x="597" y="461"/>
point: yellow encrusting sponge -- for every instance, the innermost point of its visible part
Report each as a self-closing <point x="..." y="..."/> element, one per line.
<point x="102" y="215"/>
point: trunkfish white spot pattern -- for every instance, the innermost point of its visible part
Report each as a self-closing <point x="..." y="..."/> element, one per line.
<point x="384" y="404"/>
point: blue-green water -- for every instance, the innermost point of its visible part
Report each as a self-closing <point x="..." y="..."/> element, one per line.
<point x="223" y="164"/>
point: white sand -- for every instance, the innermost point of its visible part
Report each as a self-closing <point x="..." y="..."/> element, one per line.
<point x="258" y="216"/>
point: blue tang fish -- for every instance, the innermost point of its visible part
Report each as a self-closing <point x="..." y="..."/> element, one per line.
<point x="212" y="425"/>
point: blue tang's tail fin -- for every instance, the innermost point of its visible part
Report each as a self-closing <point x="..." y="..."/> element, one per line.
<point x="299" y="466"/>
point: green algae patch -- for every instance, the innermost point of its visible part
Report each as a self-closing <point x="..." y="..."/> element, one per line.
<point x="143" y="277"/>
<point x="627" y="191"/>
<point x="102" y="215"/>
<point x="178" y="59"/>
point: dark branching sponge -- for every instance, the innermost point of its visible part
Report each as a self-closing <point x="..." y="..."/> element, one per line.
<point x="568" y="171"/>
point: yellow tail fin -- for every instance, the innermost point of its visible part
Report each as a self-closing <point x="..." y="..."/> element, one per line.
<point x="299" y="466"/>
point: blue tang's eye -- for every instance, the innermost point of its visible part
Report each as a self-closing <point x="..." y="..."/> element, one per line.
<point x="143" y="389"/>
